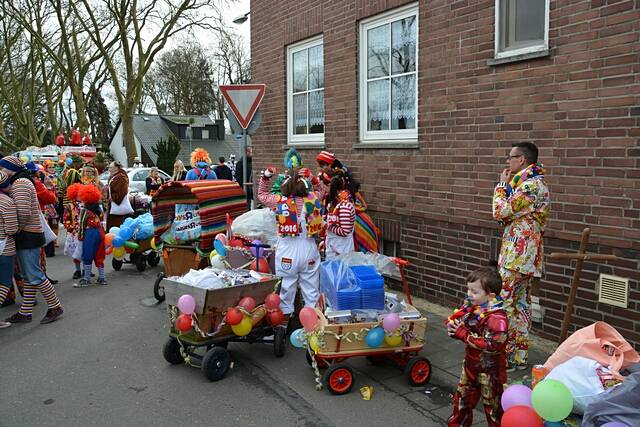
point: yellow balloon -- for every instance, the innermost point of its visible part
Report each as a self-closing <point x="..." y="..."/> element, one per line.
<point x="243" y="328"/>
<point x="212" y="254"/>
<point x="118" y="252"/>
<point x="314" y="344"/>
<point x="393" y="340"/>
<point x="153" y="243"/>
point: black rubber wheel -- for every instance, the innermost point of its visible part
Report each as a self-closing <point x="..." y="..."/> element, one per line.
<point x="171" y="351"/>
<point x="215" y="363"/>
<point x="153" y="258"/>
<point x="116" y="264"/>
<point x="141" y="262"/>
<point x="280" y="341"/>
<point x="158" y="288"/>
<point x="418" y="371"/>
<point x="338" y="379"/>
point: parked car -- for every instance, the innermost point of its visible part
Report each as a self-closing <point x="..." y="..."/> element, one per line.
<point x="137" y="177"/>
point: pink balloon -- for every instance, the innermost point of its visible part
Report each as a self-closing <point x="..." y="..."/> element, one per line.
<point x="516" y="395"/>
<point x="186" y="304"/>
<point x="391" y="322"/>
<point x="308" y="318"/>
<point x="222" y="238"/>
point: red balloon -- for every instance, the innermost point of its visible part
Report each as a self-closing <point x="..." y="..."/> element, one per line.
<point x="521" y="416"/>
<point x="183" y="322"/>
<point x="308" y="318"/>
<point x="237" y="243"/>
<point x="129" y="250"/>
<point x="248" y="303"/>
<point x="272" y="301"/>
<point x="234" y="316"/>
<point x="276" y="317"/>
<point x="262" y="267"/>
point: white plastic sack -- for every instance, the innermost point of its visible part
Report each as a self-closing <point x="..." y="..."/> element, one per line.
<point x="70" y="244"/>
<point x="584" y="377"/>
<point x="383" y="264"/>
<point x="257" y="224"/>
<point x="186" y="226"/>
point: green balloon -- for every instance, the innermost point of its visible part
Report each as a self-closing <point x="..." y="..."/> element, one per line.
<point x="552" y="400"/>
<point x="131" y="245"/>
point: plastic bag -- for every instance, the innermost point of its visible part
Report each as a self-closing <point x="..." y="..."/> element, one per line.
<point x="384" y="265"/>
<point x="186" y="227"/>
<point x="70" y="244"/>
<point x="619" y="405"/>
<point x="586" y="378"/>
<point x="257" y="224"/>
<point x="335" y="276"/>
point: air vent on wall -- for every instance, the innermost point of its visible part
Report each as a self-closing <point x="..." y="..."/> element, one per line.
<point x="613" y="290"/>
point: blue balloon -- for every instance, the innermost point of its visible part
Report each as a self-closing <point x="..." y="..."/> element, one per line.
<point x="114" y="230"/>
<point x="375" y="337"/>
<point x="296" y="338"/>
<point x="69" y="161"/>
<point x="222" y="251"/>
<point x="125" y="232"/>
<point x="117" y="242"/>
<point x="128" y="221"/>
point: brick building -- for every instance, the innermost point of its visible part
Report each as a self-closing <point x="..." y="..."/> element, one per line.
<point x="423" y="100"/>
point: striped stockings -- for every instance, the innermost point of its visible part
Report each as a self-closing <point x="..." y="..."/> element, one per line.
<point x="4" y="291"/>
<point x="46" y="289"/>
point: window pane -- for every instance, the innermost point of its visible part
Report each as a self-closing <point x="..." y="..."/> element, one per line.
<point x="521" y="23"/>
<point x="300" y="114"/>
<point x="378" y="105"/>
<point x="403" y="45"/>
<point x="316" y="68"/>
<point x="300" y="71"/>
<point x="403" y="102"/>
<point x="316" y="111"/>
<point x="378" y="52"/>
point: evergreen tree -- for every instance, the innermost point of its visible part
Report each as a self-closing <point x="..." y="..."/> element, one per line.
<point x="101" y="120"/>
<point x="167" y="152"/>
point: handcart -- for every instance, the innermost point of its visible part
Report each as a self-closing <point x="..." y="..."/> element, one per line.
<point x="211" y="332"/>
<point x="216" y="200"/>
<point x="343" y="341"/>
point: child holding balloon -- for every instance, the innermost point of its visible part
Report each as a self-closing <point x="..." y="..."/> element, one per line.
<point x="91" y="234"/>
<point x="481" y="324"/>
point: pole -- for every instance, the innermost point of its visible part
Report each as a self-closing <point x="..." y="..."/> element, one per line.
<point x="574" y="285"/>
<point x="244" y="162"/>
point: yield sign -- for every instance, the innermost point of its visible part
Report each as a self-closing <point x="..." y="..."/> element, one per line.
<point x="243" y="100"/>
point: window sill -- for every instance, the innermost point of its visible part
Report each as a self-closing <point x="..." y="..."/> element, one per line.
<point x="518" y="58"/>
<point x="400" y="144"/>
<point x="306" y="145"/>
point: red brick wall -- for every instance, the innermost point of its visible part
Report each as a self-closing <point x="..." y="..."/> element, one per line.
<point x="581" y="106"/>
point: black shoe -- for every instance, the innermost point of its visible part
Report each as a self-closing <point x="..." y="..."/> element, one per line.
<point x="53" y="314"/>
<point x="18" y="318"/>
<point x="77" y="275"/>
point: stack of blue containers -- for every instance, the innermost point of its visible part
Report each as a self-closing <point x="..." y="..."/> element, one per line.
<point x="348" y="299"/>
<point x="371" y="284"/>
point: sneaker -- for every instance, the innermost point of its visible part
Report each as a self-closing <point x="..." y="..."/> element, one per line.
<point x="4" y="325"/>
<point x="18" y="318"/>
<point x="102" y="282"/>
<point x="77" y="274"/>
<point x="53" y="314"/>
<point x="83" y="283"/>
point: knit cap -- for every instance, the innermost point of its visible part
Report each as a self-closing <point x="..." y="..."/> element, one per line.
<point x="12" y="163"/>
<point x="326" y="157"/>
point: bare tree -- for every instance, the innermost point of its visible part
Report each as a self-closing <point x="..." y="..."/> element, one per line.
<point x="232" y="64"/>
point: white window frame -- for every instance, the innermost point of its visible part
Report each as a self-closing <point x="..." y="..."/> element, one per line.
<point x="524" y="50"/>
<point x="309" y="138"/>
<point x="203" y="134"/>
<point x="391" y="135"/>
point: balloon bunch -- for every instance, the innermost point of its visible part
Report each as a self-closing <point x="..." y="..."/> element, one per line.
<point x="186" y="305"/>
<point x="218" y="257"/>
<point x="550" y="400"/>
<point x="119" y="240"/>
<point x="307" y="335"/>
<point x="390" y="332"/>
<point x="246" y="315"/>
<point x="275" y="316"/>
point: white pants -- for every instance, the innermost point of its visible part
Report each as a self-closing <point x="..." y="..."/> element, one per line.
<point x="298" y="262"/>
<point x="337" y="245"/>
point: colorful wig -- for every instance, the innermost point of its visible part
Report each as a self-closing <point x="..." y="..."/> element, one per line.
<point x="200" y="155"/>
<point x="73" y="190"/>
<point x="292" y="159"/>
<point x="89" y="194"/>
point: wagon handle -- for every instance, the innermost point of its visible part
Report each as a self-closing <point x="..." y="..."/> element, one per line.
<point x="402" y="263"/>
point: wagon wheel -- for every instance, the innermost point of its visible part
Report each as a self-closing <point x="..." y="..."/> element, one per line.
<point x="158" y="288"/>
<point x="418" y="371"/>
<point x="116" y="264"/>
<point x="171" y="351"/>
<point x="215" y="363"/>
<point x="141" y="262"/>
<point x="338" y="379"/>
<point x="153" y="258"/>
<point x="279" y="341"/>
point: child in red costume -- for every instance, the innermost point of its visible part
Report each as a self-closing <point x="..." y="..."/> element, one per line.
<point x="91" y="234"/>
<point x="481" y="324"/>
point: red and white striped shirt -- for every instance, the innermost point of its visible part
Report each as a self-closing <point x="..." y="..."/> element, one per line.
<point x="342" y="218"/>
<point x="24" y="196"/>
<point x="8" y="224"/>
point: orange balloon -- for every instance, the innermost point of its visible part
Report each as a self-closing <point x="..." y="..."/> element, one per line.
<point x="108" y="238"/>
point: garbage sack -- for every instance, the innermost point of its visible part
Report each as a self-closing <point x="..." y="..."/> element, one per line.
<point x="586" y="379"/>
<point x="257" y="224"/>
<point x="619" y="405"/>
<point x="186" y="226"/>
<point x="335" y="276"/>
<point x="383" y="264"/>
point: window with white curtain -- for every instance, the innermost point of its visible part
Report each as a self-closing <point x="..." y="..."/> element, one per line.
<point x="522" y="26"/>
<point x="389" y="76"/>
<point x="305" y="92"/>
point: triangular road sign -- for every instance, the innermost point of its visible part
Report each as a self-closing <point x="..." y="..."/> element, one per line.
<point x="243" y="100"/>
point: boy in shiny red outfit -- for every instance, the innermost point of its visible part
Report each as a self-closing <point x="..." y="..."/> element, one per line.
<point x="482" y="325"/>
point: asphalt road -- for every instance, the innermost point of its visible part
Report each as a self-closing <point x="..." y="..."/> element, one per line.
<point x="102" y="364"/>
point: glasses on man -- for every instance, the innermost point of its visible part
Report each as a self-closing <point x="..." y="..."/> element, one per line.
<point x="515" y="156"/>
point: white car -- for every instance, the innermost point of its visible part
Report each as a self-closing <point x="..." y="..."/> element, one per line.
<point x="137" y="177"/>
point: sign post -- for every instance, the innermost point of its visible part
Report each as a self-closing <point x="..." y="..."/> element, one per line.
<point x="243" y="101"/>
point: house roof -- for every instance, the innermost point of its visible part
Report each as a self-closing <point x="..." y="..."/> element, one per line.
<point x="216" y="148"/>
<point x="149" y="128"/>
<point x="196" y="121"/>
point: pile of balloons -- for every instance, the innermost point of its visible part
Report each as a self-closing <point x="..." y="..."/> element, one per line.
<point x="550" y="401"/>
<point x="306" y="335"/>
<point x="186" y="305"/>
<point x="120" y="240"/>
<point x="245" y="315"/>
<point x="389" y="333"/>
<point x="217" y="257"/>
